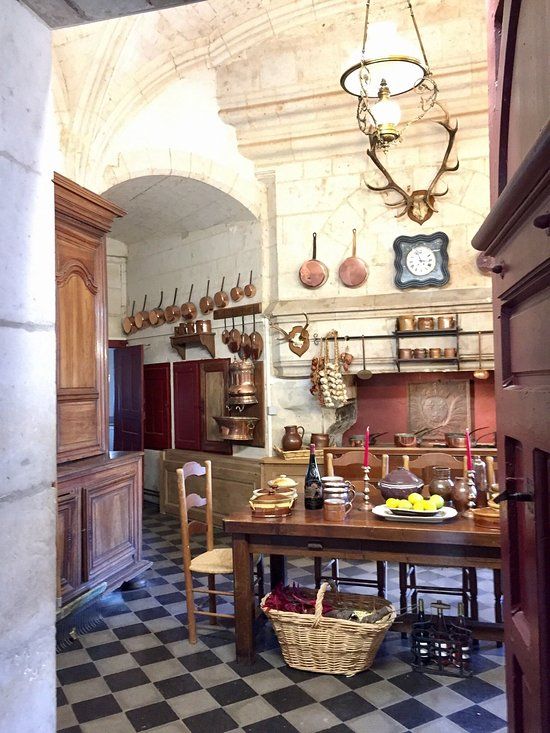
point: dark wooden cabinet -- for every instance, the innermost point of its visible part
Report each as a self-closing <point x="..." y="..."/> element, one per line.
<point x="187" y="417"/>
<point x="156" y="399"/>
<point x="81" y="221"/>
<point x="99" y="522"/>
<point x="199" y="395"/>
<point x="69" y="544"/>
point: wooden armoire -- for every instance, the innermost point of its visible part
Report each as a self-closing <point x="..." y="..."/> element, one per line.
<point x="99" y="493"/>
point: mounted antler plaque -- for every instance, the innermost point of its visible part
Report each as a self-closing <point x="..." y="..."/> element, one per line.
<point x="420" y="204"/>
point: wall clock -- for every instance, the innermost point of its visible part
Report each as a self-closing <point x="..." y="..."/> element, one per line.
<point x="421" y="261"/>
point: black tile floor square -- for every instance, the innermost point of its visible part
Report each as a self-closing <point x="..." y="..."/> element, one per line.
<point x="164" y="683"/>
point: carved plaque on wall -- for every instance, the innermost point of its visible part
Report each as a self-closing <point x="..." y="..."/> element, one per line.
<point x="442" y="406"/>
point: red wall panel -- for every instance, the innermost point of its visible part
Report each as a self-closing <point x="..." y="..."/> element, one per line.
<point x="187" y="418"/>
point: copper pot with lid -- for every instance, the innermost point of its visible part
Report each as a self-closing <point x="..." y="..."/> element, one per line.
<point x="242" y="387"/>
<point x="399" y="483"/>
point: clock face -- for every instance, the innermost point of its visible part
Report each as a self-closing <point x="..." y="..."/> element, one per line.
<point x="420" y="260"/>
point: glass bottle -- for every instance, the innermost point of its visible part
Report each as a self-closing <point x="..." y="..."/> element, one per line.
<point x="442" y="644"/>
<point x="423" y="645"/>
<point x="441" y="483"/>
<point x="463" y="643"/>
<point x="481" y="482"/>
<point x="313" y="488"/>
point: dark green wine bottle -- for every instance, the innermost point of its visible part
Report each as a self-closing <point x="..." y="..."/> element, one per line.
<point x="313" y="489"/>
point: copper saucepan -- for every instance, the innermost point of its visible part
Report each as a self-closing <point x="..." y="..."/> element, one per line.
<point x="225" y="332"/>
<point x="156" y="316"/>
<point x="234" y="342"/>
<point x="256" y="341"/>
<point x="458" y="440"/>
<point x="189" y="309"/>
<point x="129" y="322"/>
<point x="172" y="312"/>
<point x="206" y="304"/>
<point x="313" y="273"/>
<point x="246" y="349"/>
<point x="221" y="298"/>
<point x="249" y="288"/>
<point x="142" y="318"/>
<point x="237" y="293"/>
<point x="353" y="271"/>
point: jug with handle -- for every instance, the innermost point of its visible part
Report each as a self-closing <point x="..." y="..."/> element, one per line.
<point x="292" y="439"/>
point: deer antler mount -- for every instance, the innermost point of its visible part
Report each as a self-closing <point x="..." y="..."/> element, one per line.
<point x="420" y="204"/>
<point x="298" y="337"/>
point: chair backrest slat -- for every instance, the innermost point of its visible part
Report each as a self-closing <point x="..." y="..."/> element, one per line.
<point x="189" y="501"/>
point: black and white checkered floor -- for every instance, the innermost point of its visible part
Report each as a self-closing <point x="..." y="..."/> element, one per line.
<point x="138" y="672"/>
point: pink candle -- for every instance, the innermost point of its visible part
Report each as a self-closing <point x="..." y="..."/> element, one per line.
<point x="367" y="440"/>
<point x="469" y="464"/>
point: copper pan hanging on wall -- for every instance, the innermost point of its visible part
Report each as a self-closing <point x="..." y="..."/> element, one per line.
<point x="189" y="310"/>
<point x="313" y="273"/>
<point x="353" y="271"/>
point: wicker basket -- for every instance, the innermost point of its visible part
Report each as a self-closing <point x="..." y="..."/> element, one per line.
<point x="317" y="643"/>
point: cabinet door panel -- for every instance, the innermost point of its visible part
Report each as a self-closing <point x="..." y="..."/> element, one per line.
<point x="68" y="544"/>
<point x="213" y="380"/>
<point x="158" y="417"/>
<point x="187" y="422"/>
<point x="111" y="526"/>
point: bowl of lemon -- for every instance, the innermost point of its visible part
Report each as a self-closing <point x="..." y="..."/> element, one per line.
<point x="415" y="504"/>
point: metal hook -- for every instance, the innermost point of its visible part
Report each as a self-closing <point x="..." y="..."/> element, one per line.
<point x="133" y="307"/>
<point x="175" y="296"/>
<point x="161" y="297"/>
<point x="144" y="303"/>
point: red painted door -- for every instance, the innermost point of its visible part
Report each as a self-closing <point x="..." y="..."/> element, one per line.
<point x="128" y="375"/>
<point x="158" y="415"/>
<point x="187" y="420"/>
<point x="516" y="235"/>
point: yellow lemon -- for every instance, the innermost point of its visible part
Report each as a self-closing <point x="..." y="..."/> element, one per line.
<point x="428" y="506"/>
<point x="392" y="503"/>
<point x="404" y="504"/>
<point x="414" y="498"/>
<point x="437" y="500"/>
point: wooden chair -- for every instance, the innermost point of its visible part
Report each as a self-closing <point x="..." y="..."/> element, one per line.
<point x="214" y="561"/>
<point x="349" y="466"/>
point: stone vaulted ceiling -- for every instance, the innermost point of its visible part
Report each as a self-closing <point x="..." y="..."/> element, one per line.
<point x="64" y="13"/>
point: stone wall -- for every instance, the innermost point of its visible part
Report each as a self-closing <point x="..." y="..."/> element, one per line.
<point x="27" y="358"/>
<point x="247" y="98"/>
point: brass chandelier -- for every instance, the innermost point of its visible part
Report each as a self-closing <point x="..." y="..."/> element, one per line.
<point x="383" y="75"/>
<point x="388" y="67"/>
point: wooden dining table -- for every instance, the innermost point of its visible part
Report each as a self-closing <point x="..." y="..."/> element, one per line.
<point x="362" y="536"/>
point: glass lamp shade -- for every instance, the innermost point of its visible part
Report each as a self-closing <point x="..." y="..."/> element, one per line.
<point x="386" y="112"/>
<point x="387" y="56"/>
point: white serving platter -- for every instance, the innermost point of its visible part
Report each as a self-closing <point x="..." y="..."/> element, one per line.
<point x="442" y="515"/>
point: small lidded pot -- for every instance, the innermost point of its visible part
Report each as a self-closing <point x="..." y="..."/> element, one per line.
<point x="420" y="353"/>
<point x="282" y="484"/>
<point x="425" y="323"/>
<point x="399" y="483"/>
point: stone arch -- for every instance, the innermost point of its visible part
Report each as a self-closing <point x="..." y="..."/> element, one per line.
<point x="247" y="191"/>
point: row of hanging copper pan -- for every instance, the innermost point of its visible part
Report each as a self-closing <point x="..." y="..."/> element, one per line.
<point x="188" y="310"/>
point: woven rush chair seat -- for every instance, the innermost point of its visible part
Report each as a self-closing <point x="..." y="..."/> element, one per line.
<point x="218" y="561"/>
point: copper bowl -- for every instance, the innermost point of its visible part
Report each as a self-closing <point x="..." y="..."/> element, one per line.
<point x="455" y="440"/>
<point x="236" y="428"/>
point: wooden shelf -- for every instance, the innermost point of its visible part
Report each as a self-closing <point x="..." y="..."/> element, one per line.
<point x="433" y="332"/>
<point x="237" y="311"/>
<point x="442" y="359"/>
<point x="205" y="339"/>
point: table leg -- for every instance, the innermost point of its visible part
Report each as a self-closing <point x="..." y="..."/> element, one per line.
<point x="243" y="579"/>
<point x="381" y="575"/>
<point x="278" y="570"/>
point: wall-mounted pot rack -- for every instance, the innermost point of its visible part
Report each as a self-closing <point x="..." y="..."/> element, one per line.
<point x="396" y="336"/>
<point x="250" y="309"/>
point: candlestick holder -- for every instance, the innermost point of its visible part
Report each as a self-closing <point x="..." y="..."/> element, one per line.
<point x="472" y="492"/>
<point x="366" y="506"/>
